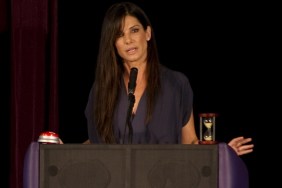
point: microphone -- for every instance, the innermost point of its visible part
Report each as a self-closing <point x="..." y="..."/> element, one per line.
<point x="132" y="80"/>
<point x="131" y="101"/>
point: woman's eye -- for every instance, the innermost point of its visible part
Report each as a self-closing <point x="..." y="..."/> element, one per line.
<point x="135" y="30"/>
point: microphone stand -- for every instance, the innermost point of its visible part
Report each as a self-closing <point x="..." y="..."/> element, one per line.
<point x="131" y="101"/>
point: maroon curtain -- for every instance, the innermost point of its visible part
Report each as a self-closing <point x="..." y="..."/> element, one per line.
<point x="34" y="79"/>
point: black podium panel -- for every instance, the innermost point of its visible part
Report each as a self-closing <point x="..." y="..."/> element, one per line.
<point x="128" y="166"/>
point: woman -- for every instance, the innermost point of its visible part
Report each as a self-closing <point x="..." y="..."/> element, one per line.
<point x="162" y="111"/>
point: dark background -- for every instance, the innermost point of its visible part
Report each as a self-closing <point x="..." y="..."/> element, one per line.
<point x="215" y="45"/>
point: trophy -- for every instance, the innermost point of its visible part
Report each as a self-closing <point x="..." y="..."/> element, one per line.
<point x="207" y="128"/>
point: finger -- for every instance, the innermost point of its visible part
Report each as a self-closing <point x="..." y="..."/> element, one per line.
<point x="246" y="147"/>
<point x="243" y="152"/>
<point x="237" y="139"/>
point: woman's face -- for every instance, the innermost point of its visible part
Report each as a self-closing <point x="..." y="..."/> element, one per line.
<point x="131" y="44"/>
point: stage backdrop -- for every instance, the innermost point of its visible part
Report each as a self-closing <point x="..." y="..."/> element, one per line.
<point x="34" y="83"/>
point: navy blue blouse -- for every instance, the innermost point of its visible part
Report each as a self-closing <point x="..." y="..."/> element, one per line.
<point x="171" y="113"/>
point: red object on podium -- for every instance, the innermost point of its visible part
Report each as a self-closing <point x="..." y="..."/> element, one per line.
<point x="49" y="137"/>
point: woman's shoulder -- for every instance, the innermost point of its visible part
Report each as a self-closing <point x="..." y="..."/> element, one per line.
<point x="176" y="83"/>
<point x="168" y="74"/>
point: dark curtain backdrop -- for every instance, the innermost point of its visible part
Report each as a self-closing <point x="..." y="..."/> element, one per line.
<point x="34" y="77"/>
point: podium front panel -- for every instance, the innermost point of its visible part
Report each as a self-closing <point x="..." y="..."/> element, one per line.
<point x="128" y="166"/>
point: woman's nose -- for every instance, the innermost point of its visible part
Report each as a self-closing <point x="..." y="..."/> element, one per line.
<point x="127" y="39"/>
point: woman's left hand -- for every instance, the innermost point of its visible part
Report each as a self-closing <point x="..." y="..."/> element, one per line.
<point x="240" y="146"/>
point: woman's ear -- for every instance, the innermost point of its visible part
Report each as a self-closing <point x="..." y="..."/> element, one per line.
<point x="148" y="33"/>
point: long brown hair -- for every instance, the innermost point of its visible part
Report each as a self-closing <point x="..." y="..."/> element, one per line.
<point x="109" y="68"/>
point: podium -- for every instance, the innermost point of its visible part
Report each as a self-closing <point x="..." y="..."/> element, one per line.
<point x="133" y="166"/>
